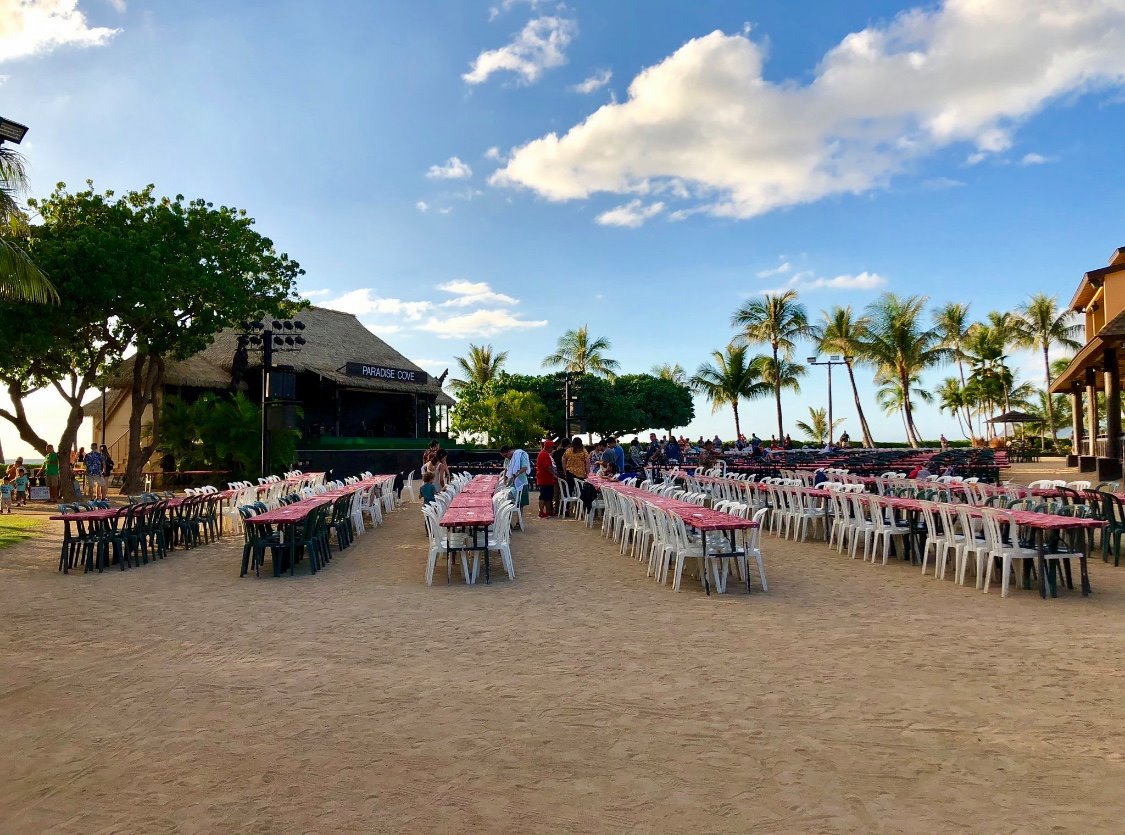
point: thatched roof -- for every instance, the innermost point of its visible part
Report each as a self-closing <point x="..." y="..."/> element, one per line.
<point x="332" y="339"/>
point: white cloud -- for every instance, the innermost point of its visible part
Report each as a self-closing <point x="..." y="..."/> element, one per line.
<point x="507" y="5"/>
<point x="4" y="78"/>
<point x="540" y="45"/>
<point x="483" y="322"/>
<point x="493" y="153"/>
<point x="941" y="183"/>
<point x="632" y="214"/>
<point x="1034" y="159"/>
<point x="594" y="82"/>
<point x="363" y="302"/>
<point x="119" y="6"/>
<point x="468" y="293"/>
<point x="968" y="72"/>
<point x="454" y="169"/>
<point x="805" y="280"/>
<point x="434" y="317"/>
<point x="780" y="269"/>
<point x="31" y="27"/>
<point x="422" y="206"/>
<point x="313" y="294"/>
<point x="444" y="210"/>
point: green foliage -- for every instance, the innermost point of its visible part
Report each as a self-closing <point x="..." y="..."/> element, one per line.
<point x="624" y="404"/>
<point x="221" y="433"/>
<point x="816" y="429"/>
<point x="515" y="417"/>
<point x="579" y="354"/>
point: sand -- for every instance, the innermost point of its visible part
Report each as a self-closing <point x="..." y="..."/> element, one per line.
<point x="178" y="697"/>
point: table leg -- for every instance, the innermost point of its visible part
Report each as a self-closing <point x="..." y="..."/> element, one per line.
<point x="1082" y="562"/>
<point x="1041" y="562"/>
<point x="487" y="567"/>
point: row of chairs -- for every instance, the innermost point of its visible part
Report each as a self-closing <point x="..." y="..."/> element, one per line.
<point x="442" y="542"/>
<point x="664" y="541"/>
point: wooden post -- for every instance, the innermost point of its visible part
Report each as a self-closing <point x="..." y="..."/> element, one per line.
<point x="1076" y="419"/>
<point x="1112" y="405"/>
<point x="1092" y="411"/>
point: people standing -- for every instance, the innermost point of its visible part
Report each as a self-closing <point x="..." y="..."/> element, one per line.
<point x="546" y="476"/>
<point x="107" y="467"/>
<point x="95" y="468"/>
<point x="614" y="453"/>
<point x="576" y="461"/>
<point x="21" y="487"/>
<point x="51" y="472"/>
<point x="673" y="452"/>
<point x="706" y="458"/>
<point x="516" y="472"/>
<point x="440" y="468"/>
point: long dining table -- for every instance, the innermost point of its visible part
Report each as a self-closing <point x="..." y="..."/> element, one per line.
<point x="471" y="510"/>
<point x="703" y="519"/>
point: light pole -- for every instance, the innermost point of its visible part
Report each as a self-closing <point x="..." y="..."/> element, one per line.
<point x="833" y="359"/>
<point x="269" y="337"/>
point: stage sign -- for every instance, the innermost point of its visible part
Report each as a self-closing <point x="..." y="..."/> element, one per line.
<point x="385" y="372"/>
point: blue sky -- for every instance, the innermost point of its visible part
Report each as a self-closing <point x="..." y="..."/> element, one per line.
<point x="702" y="153"/>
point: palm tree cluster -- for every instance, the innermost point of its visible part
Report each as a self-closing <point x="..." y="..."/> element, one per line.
<point x="894" y="337"/>
<point x="899" y="342"/>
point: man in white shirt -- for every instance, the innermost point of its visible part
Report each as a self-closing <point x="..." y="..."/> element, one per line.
<point x="516" y="469"/>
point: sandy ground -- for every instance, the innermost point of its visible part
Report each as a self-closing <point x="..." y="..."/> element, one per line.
<point x="179" y="698"/>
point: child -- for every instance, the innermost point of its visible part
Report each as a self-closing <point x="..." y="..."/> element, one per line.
<point x="21" y="487"/>
<point x="428" y="491"/>
<point x="6" y="491"/>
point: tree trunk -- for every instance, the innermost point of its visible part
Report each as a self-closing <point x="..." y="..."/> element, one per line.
<point x="148" y="377"/>
<point x="1050" y="398"/>
<point x="965" y="406"/>
<point x="66" y="443"/>
<point x="907" y="411"/>
<point x="777" y="396"/>
<point x="737" y="427"/>
<point x="868" y="441"/>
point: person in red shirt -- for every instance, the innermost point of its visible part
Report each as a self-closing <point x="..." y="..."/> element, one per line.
<point x="546" y="477"/>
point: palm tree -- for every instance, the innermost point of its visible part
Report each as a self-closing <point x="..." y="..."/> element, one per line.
<point x="669" y="371"/>
<point x="952" y="321"/>
<point x="952" y="399"/>
<point x="817" y="428"/>
<point x="480" y="367"/>
<point x="901" y="347"/>
<point x="842" y="332"/>
<point x="777" y="321"/>
<point x="779" y="374"/>
<point x="892" y="396"/>
<point x="1045" y="325"/>
<point x="990" y="379"/>
<point x="579" y="354"/>
<point x="731" y="378"/>
<point x="20" y="279"/>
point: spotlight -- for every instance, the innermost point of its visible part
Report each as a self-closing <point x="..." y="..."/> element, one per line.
<point x="299" y="325"/>
<point x="289" y="341"/>
<point x="300" y="340"/>
<point x="276" y="325"/>
<point x="288" y="325"/>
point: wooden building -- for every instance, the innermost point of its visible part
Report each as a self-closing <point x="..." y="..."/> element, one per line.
<point x="354" y="390"/>
<point x="1098" y="367"/>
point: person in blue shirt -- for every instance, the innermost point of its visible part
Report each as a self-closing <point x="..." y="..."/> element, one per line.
<point x="21" y="487"/>
<point x="672" y="452"/>
<point x="428" y="491"/>
<point x="614" y="454"/>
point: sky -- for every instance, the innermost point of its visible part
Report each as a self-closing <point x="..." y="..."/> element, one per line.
<point x="500" y="172"/>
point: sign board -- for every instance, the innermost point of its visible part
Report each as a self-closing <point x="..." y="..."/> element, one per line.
<point x="385" y="372"/>
<point x="39" y="494"/>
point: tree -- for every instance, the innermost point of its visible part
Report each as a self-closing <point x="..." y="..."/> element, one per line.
<point x="952" y="322"/>
<point x="730" y="378"/>
<point x="658" y="401"/>
<point x="669" y="371"/>
<point x="515" y="417"/>
<point x="480" y="367"/>
<point x="579" y="354"/>
<point x="20" y="278"/>
<point x="1045" y="325"/>
<point x="817" y="428"/>
<point x="894" y="397"/>
<point x="842" y="332"/>
<point x="779" y="374"/>
<point x="901" y="348"/>
<point x="777" y="321"/>
<point x="989" y="378"/>
<point x="159" y="276"/>
<point x="951" y="398"/>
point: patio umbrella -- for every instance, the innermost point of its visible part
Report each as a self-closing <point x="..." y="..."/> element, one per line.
<point x="1014" y="417"/>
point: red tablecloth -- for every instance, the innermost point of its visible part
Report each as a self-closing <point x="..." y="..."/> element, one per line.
<point x="700" y="518"/>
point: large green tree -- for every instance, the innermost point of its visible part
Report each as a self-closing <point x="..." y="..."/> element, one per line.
<point x="901" y="345"/>
<point x="777" y="321"/>
<point x="1044" y="325"/>
<point x="159" y="276"/>
<point x="578" y="353"/>
<point x="953" y="323"/>
<point x="730" y="378"/>
<point x="842" y="332"/>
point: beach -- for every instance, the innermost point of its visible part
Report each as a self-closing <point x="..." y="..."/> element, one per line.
<point x="583" y="697"/>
